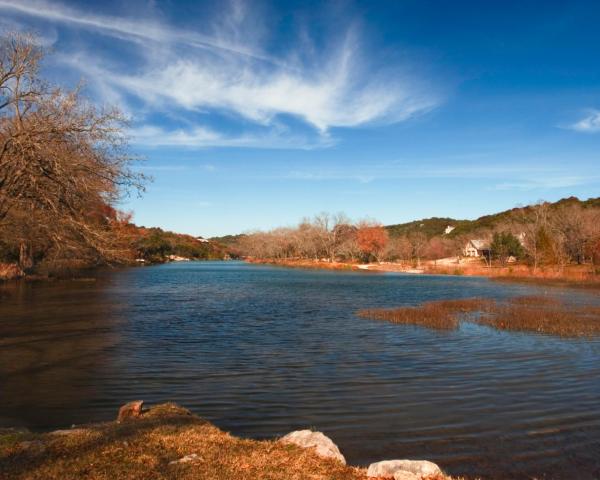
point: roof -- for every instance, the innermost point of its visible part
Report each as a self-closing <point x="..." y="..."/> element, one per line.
<point x="480" y="244"/>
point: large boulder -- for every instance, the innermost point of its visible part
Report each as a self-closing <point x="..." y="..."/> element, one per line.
<point x="388" y="468"/>
<point x="322" y="444"/>
<point x="130" y="411"/>
<point x="404" y="475"/>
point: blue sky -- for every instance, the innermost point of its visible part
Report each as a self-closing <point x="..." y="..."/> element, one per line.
<point x="255" y="114"/>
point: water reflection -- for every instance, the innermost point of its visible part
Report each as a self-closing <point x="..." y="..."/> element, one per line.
<point x="56" y="347"/>
<point x="261" y="351"/>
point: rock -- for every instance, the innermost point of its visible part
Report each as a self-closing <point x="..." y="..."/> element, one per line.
<point x="69" y="431"/>
<point x="405" y="475"/>
<point x="188" y="458"/>
<point x="388" y="468"/>
<point x="322" y="444"/>
<point x="130" y="410"/>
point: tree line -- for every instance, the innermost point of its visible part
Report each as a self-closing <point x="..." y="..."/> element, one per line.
<point x="334" y="237"/>
<point x="540" y="234"/>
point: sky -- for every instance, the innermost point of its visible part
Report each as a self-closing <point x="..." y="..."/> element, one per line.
<point x="250" y="114"/>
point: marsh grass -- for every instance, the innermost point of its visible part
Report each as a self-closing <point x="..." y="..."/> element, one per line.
<point x="591" y="283"/>
<point x="546" y="316"/>
<point x="439" y="315"/>
<point x="539" y="314"/>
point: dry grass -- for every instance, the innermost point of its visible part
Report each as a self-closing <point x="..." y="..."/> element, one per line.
<point x="147" y="447"/>
<point x="592" y="283"/>
<point x="9" y="271"/>
<point x="537" y="300"/>
<point x="545" y="315"/>
<point x="440" y="315"/>
<point x="143" y="448"/>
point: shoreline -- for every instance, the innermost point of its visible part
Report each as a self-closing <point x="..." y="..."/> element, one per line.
<point x="169" y="441"/>
<point x="576" y="276"/>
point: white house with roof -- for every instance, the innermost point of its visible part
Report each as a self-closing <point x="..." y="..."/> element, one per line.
<point x="477" y="248"/>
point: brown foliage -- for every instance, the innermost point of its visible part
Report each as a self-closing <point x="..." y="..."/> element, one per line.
<point x="372" y="240"/>
<point x="63" y="162"/>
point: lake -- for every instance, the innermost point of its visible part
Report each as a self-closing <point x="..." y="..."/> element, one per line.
<point x="261" y="351"/>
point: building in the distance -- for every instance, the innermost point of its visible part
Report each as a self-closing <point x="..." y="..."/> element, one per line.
<point x="477" y="248"/>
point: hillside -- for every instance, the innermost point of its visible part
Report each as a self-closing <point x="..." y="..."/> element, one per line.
<point x="435" y="226"/>
<point x="154" y="244"/>
<point x="228" y="240"/>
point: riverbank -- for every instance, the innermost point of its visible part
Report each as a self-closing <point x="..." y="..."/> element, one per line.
<point x="168" y="441"/>
<point x="578" y="276"/>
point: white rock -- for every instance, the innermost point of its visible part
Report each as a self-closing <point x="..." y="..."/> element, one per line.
<point x="387" y="468"/>
<point x="69" y="431"/>
<point x="322" y="444"/>
<point x="404" y="475"/>
<point x="188" y="458"/>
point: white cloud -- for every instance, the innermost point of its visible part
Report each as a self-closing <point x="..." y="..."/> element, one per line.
<point x="411" y="170"/>
<point x="152" y="136"/>
<point x="328" y="96"/>
<point x="588" y="124"/>
<point x="546" y="183"/>
<point x="229" y="73"/>
<point x="122" y="28"/>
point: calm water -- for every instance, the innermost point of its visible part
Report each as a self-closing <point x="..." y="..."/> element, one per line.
<point x="261" y="351"/>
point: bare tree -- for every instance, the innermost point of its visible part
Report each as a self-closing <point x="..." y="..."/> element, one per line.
<point x="418" y="241"/>
<point x="330" y="232"/>
<point x="61" y="160"/>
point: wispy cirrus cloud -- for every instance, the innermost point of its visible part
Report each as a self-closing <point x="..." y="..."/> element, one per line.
<point x="152" y="136"/>
<point x="546" y="183"/>
<point x="123" y="28"/>
<point x="226" y="69"/>
<point x="588" y="124"/>
<point x="496" y="178"/>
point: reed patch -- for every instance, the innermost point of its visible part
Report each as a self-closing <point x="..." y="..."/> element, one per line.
<point x="539" y="314"/>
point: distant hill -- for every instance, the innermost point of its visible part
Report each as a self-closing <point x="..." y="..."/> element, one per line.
<point x="154" y="244"/>
<point x="228" y="240"/>
<point x="431" y="227"/>
<point x="435" y="226"/>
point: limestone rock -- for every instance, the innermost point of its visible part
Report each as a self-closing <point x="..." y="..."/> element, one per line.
<point x="69" y="431"/>
<point x="130" y="410"/>
<point x="322" y="444"/>
<point x="388" y="468"/>
<point x="404" y="475"/>
<point x="192" y="457"/>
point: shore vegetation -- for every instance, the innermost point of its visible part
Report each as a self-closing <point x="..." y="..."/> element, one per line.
<point x="538" y="314"/>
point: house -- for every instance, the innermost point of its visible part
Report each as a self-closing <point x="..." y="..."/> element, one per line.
<point x="477" y="248"/>
<point x="448" y="229"/>
<point x="202" y="240"/>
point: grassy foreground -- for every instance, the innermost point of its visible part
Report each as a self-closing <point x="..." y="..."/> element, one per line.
<point x="143" y="449"/>
<point x="149" y="447"/>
